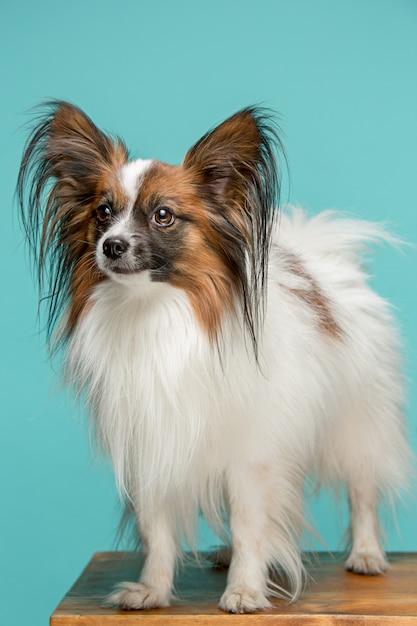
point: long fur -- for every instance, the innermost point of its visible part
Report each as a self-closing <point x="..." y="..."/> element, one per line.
<point x="195" y="416"/>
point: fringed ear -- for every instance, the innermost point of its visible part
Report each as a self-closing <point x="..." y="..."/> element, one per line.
<point x="63" y="165"/>
<point x="66" y="146"/>
<point x="236" y="170"/>
<point x="77" y="150"/>
<point x="226" y="158"/>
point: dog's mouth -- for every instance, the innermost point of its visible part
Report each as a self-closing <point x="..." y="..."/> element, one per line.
<point x="122" y="270"/>
<point x="119" y="257"/>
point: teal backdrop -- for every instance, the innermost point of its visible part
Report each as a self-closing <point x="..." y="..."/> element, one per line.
<point x="342" y="74"/>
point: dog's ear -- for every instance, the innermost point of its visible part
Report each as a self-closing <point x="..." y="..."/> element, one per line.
<point x="226" y="160"/>
<point x="235" y="170"/>
<point x="64" y="166"/>
<point x="75" y="150"/>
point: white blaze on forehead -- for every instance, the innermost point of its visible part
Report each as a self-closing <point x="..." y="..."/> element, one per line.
<point x="131" y="175"/>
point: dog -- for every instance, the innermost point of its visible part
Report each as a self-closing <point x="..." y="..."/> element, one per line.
<point x="227" y="350"/>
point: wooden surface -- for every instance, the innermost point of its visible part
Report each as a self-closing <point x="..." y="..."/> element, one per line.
<point x="332" y="597"/>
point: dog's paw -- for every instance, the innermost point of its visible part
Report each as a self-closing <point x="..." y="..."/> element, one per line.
<point x="136" y="596"/>
<point x="370" y="563"/>
<point x="243" y="600"/>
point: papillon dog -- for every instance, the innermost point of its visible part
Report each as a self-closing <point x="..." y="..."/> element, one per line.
<point x="227" y="351"/>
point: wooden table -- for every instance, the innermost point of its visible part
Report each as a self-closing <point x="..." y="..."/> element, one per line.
<point x="332" y="597"/>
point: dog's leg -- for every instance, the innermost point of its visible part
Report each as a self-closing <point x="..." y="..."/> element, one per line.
<point x="155" y="584"/>
<point x="246" y="583"/>
<point x="367" y="555"/>
<point x="266" y="516"/>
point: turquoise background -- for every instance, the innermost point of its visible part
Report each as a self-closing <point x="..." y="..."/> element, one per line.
<point x="343" y="75"/>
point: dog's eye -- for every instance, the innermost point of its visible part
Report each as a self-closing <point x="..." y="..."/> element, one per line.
<point x="163" y="217"/>
<point x="103" y="213"/>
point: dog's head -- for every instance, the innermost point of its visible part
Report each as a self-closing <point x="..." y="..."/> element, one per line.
<point x="91" y="214"/>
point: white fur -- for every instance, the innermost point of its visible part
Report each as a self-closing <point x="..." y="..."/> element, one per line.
<point x="131" y="175"/>
<point x="193" y="426"/>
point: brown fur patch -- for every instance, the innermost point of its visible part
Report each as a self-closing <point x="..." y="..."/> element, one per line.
<point x="312" y="295"/>
<point x="198" y="268"/>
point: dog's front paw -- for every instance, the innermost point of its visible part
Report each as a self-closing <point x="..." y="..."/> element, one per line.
<point x="370" y="563"/>
<point x="243" y="600"/>
<point x="136" y="596"/>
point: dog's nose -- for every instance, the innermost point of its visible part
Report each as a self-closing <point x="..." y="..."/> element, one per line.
<point x="115" y="247"/>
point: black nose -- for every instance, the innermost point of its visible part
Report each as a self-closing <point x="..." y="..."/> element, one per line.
<point x="114" y="248"/>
